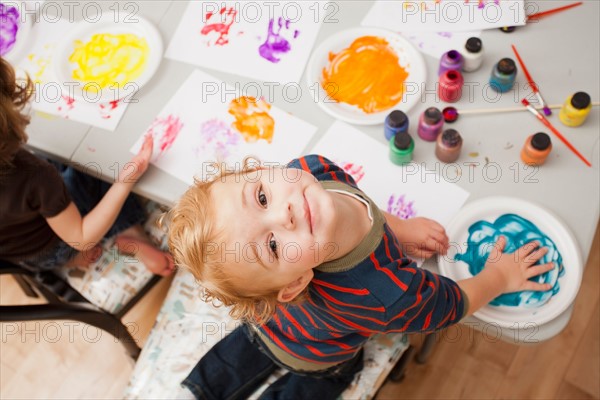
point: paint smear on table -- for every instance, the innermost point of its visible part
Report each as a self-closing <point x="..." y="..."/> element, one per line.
<point x="276" y="44"/>
<point x="252" y="118"/>
<point x="518" y="231"/>
<point x="9" y="27"/>
<point x="108" y="60"/>
<point x="217" y="138"/>
<point x="225" y="14"/>
<point x="164" y="130"/>
<point x="400" y="207"/>
<point x="367" y="74"/>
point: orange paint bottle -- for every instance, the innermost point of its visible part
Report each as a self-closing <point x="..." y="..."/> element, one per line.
<point x="536" y="149"/>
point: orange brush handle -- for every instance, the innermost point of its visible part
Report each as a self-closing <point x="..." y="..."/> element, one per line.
<point x="529" y="78"/>
<point x="552" y="11"/>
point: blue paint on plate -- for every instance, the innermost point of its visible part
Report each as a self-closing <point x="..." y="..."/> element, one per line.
<point x="518" y="231"/>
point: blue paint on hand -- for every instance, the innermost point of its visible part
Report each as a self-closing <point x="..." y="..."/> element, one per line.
<point x="518" y="231"/>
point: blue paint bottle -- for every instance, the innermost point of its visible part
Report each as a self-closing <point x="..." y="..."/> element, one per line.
<point x="401" y="148"/>
<point x="395" y="122"/>
<point x="503" y="75"/>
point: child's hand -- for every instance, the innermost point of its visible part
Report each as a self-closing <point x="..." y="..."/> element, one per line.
<point x="516" y="268"/>
<point x="422" y="237"/>
<point x="134" y="169"/>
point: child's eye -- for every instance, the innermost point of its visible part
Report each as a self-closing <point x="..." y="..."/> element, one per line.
<point x="273" y="246"/>
<point x="262" y="198"/>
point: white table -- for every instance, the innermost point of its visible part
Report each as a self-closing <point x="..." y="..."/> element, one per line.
<point x="559" y="62"/>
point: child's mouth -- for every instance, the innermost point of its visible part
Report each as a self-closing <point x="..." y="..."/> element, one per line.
<point x="307" y="214"/>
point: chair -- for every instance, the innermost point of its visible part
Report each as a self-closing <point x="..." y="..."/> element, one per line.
<point x="99" y="296"/>
<point x="186" y="328"/>
<point x="65" y="303"/>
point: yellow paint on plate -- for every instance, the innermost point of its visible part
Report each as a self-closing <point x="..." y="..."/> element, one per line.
<point x="109" y="60"/>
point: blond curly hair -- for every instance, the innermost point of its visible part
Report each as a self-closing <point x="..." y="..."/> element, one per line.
<point x="191" y="232"/>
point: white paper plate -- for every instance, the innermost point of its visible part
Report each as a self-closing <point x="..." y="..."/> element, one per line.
<point x="489" y="209"/>
<point x="409" y="58"/>
<point x="19" y="49"/>
<point x="83" y="31"/>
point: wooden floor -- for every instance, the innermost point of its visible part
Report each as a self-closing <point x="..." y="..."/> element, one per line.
<point x="65" y="360"/>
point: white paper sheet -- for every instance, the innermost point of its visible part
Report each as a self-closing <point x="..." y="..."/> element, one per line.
<point x="402" y="191"/>
<point x="197" y="127"/>
<point x="445" y="15"/>
<point x="270" y="41"/>
<point x="49" y="96"/>
<point x="437" y="43"/>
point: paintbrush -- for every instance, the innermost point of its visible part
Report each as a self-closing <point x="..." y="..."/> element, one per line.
<point x="451" y="114"/>
<point x="552" y="11"/>
<point x="533" y="85"/>
<point x="554" y="130"/>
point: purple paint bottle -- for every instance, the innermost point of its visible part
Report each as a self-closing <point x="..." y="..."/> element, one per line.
<point x="430" y="124"/>
<point x="450" y="60"/>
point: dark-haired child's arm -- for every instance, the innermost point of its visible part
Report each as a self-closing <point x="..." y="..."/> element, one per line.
<point x="420" y="237"/>
<point x="505" y="273"/>
<point x="82" y="233"/>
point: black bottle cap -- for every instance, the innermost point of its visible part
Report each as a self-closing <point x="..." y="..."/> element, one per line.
<point x="402" y="140"/>
<point x="540" y="141"/>
<point x="580" y="100"/>
<point x="507" y="66"/>
<point x="396" y="119"/>
<point x="451" y="137"/>
<point x="432" y="115"/>
<point x="473" y="45"/>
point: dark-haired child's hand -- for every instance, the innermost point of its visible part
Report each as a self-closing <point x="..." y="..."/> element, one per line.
<point x="134" y="169"/>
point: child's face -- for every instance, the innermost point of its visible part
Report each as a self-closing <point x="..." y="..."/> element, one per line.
<point x="285" y="215"/>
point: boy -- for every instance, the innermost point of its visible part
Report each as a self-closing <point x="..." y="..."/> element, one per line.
<point x="314" y="268"/>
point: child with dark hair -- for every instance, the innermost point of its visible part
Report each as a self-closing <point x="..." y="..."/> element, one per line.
<point x="42" y="203"/>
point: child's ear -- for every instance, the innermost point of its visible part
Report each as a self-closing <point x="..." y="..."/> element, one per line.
<point x="293" y="289"/>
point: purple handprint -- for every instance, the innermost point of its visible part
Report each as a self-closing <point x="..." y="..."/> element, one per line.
<point x="9" y="26"/>
<point x="276" y="44"/>
<point x="400" y="207"/>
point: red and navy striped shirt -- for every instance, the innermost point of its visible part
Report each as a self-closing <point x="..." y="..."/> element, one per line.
<point x="385" y="292"/>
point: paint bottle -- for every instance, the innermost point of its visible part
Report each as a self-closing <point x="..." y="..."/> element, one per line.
<point x="430" y="124"/>
<point x="450" y="86"/>
<point x="395" y="122"/>
<point x="401" y="148"/>
<point x="503" y="75"/>
<point x="450" y="60"/>
<point x="472" y="55"/>
<point x="536" y="149"/>
<point x="448" y="145"/>
<point x="576" y="109"/>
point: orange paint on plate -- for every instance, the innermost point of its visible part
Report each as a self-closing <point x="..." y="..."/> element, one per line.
<point x="252" y="119"/>
<point x="108" y="60"/>
<point x="367" y="74"/>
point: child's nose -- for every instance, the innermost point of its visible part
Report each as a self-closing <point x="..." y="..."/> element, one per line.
<point x="287" y="216"/>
